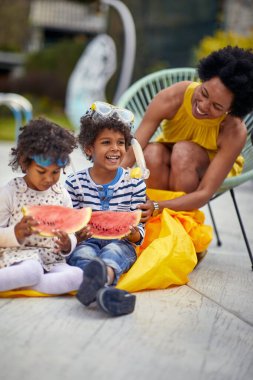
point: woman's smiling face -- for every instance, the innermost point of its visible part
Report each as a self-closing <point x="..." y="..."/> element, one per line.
<point x="211" y="99"/>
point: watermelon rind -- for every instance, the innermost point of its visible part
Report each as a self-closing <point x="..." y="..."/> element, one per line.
<point x="113" y="224"/>
<point x="52" y="217"/>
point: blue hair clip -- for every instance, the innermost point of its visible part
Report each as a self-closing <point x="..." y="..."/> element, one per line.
<point x="61" y="163"/>
<point x="46" y="161"/>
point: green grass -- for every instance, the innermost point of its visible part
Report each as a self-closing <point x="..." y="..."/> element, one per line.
<point x="7" y="124"/>
<point x="7" y="128"/>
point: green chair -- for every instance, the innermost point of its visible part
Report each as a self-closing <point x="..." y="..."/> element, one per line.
<point x="138" y="96"/>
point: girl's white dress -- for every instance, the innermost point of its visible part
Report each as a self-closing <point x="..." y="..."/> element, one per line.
<point x="13" y="197"/>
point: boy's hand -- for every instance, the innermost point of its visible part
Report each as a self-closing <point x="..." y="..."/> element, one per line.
<point x="134" y="235"/>
<point x="26" y="227"/>
<point x="62" y="243"/>
<point x="84" y="234"/>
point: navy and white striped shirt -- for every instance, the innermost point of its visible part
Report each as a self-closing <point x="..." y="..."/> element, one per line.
<point x="119" y="195"/>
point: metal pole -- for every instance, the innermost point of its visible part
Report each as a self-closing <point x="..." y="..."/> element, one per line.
<point x="129" y="46"/>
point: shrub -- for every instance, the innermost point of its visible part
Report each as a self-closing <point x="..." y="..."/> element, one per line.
<point x="221" y="39"/>
<point x="47" y="72"/>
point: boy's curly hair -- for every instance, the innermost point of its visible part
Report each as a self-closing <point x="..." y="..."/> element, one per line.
<point x="91" y="127"/>
<point x="42" y="137"/>
<point x="234" y="67"/>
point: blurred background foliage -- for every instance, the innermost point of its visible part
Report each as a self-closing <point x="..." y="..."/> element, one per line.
<point x="46" y="72"/>
<point x="14" y="25"/>
<point x="221" y="39"/>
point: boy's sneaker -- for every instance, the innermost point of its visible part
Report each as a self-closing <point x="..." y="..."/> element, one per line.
<point x="94" y="278"/>
<point x="115" y="301"/>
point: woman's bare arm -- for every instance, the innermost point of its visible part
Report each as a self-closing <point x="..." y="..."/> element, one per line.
<point x="164" y="106"/>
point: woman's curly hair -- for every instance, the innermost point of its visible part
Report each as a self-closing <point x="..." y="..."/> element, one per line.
<point x="91" y="127"/>
<point x="42" y="137"/>
<point x="234" y="67"/>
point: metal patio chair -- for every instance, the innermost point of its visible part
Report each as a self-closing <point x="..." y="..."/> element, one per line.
<point x="20" y="107"/>
<point x="138" y="96"/>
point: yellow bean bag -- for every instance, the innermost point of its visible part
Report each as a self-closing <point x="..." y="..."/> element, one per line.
<point x="29" y="293"/>
<point x="167" y="255"/>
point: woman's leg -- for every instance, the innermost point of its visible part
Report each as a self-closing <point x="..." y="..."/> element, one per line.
<point x="188" y="164"/>
<point x="157" y="157"/>
<point x="62" y="279"/>
<point x="177" y="168"/>
<point x="24" y="274"/>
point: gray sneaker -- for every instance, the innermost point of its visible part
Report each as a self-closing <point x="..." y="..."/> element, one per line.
<point x="115" y="302"/>
<point x="94" y="278"/>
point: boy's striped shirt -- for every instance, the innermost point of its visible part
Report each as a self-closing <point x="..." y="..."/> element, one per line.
<point x="124" y="195"/>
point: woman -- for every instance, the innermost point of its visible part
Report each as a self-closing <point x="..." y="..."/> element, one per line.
<point x="203" y="131"/>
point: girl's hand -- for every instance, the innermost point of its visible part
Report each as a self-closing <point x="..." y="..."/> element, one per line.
<point x="147" y="210"/>
<point x="84" y="234"/>
<point x="134" y="235"/>
<point x="26" y="227"/>
<point x="62" y="243"/>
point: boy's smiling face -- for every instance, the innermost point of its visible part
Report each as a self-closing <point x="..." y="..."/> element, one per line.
<point x="108" y="150"/>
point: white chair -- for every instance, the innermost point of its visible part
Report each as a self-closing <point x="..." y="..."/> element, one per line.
<point x="88" y="81"/>
<point x="98" y="63"/>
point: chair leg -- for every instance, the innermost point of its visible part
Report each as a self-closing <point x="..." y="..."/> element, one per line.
<point x="219" y="243"/>
<point x="242" y="227"/>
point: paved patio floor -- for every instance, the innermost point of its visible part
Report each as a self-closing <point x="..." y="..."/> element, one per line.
<point x="200" y="331"/>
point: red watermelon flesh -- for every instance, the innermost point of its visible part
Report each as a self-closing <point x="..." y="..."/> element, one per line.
<point x="57" y="218"/>
<point x="113" y="224"/>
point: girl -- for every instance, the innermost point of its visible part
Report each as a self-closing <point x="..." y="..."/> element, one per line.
<point x="28" y="260"/>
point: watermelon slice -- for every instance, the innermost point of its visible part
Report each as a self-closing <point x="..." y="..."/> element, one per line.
<point x="58" y="218"/>
<point x="113" y="224"/>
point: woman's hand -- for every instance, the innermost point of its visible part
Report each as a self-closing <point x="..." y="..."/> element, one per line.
<point x="84" y="234"/>
<point x="147" y="210"/>
<point x="26" y="227"/>
<point x="62" y="243"/>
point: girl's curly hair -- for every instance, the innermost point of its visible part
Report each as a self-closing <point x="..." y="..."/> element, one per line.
<point x="91" y="127"/>
<point x="42" y="137"/>
<point x="234" y="67"/>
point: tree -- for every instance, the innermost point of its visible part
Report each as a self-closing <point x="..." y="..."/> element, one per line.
<point x="13" y="25"/>
<point x="238" y="16"/>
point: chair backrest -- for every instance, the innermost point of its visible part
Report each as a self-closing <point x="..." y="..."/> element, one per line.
<point x="20" y="106"/>
<point x="138" y="96"/>
<point x="247" y="153"/>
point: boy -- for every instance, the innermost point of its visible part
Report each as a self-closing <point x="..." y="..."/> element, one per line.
<point x="104" y="137"/>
